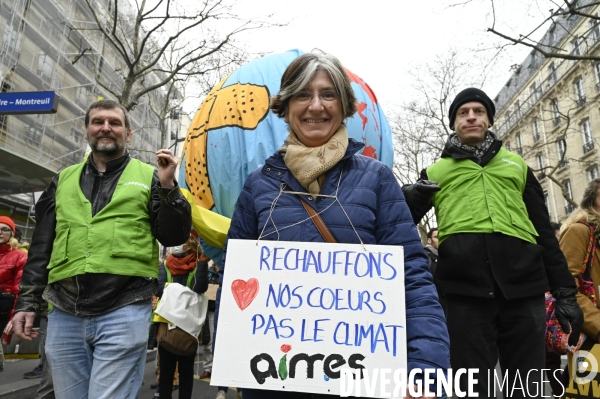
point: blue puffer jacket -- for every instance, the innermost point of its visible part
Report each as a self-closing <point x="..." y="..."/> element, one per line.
<point x="374" y="202"/>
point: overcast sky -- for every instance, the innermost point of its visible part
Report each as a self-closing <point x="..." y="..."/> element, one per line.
<point x="382" y="40"/>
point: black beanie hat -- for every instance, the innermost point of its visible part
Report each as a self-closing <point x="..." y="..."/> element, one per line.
<point x="468" y="95"/>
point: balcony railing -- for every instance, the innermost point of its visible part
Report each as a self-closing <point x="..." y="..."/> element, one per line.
<point x="589" y="146"/>
<point x="556" y="121"/>
<point x="569" y="208"/>
<point x="581" y="101"/>
<point x="553" y="77"/>
<point x="563" y="163"/>
<point x="555" y="74"/>
<point x="551" y="80"/>
<point x="541" y="176"/>
<point x="536" y="137"/>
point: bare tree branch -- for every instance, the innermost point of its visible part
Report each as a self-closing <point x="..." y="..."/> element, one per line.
<point x="160" y="42"/>
<point x="81" y="55"/>
<point x="558" y="17"/>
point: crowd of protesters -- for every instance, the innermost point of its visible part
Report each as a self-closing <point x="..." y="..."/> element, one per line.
<point x="475" y="293"/>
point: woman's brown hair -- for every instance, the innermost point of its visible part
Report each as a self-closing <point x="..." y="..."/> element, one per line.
<point x="302" y="70"/>
<point x="586" y="210"/>
<point x="192" y="245"/>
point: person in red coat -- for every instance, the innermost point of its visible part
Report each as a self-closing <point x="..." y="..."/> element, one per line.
<point x="12" y="261"/>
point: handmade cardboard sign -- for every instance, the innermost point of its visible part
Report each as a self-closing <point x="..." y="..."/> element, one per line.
<point x="294" y="315"/>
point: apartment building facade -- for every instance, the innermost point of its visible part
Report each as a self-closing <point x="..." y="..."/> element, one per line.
<point x="549" y="112"/>
<point x="51" y="45"/>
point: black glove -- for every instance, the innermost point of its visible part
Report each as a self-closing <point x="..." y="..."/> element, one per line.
<point x="420" y="192"/>
<point x="568" y="312"/>
<point x="418" y="197"/>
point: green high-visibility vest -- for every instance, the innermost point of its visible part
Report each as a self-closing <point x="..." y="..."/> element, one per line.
<point x="117" y="240"/>
<point x="476" y="199"/>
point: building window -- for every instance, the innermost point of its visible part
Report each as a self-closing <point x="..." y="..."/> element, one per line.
<point x="579" y="92"/>
<point x="541" y="166"/>
<point x="536" y="90"/>
<point x="574" y="5"/>
<point x="533" y="58"/>
<point x="536" y="130"/>
<point x="45" y="67"/>
<point x="588" y="141"/>
<point x="11" y="41"/>
<point x="519" y="144"/>
<point x="507" y="146"/>
<point x="547" y="202"/>
<point x="552" y="74"/>
<point x="552" y="36"/>
<point x="595" y="30"/>
<point x="593" y="173"/>
<point x="512" y="115"/>
<point x="81" y="97"/>
<point x="597" y="75"/>
<point x="562" y="149"/>
<point x="76" y="135"/>
<point x="555" y="112"/>
<point x="576" y="46"/>
<point x="568" y="206"/>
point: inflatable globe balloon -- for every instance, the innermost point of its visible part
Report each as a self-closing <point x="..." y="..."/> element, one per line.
<point x="233" y="132"/>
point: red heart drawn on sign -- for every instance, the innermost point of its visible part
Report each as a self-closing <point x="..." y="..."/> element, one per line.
<point x="244" y="292"/>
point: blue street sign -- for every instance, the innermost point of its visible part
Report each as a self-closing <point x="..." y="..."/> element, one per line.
<point x="29" y="102"/>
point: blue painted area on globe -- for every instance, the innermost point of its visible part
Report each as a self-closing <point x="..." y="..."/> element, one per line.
<point x="233" y="131"/>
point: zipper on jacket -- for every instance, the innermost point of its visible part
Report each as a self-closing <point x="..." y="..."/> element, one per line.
<point x="95" y="199"/>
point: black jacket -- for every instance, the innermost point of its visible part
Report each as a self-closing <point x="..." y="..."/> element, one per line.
<point x="487" y="264"/>
<point x="432" y="254"/>
<point x="92" y="294"/>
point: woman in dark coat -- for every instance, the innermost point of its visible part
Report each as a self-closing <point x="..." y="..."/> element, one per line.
<point x="357" y="197"/>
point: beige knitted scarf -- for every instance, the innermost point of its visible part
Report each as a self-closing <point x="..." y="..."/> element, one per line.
<point x="308" y="163"/>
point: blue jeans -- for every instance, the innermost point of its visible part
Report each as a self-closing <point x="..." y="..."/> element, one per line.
<point x="99" y="356"/>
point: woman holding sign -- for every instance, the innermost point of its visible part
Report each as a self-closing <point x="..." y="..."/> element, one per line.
<point x="318" y="171"/>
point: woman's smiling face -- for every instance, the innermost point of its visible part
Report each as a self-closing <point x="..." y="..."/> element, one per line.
<point x="315" y="113"/>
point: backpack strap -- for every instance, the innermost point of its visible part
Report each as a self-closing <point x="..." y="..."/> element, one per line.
<point x="169" y="276"/>
<point x="190" y="277"/>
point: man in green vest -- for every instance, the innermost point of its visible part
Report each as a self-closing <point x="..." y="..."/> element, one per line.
<point x="94" y="258"/>
<point x="497" y="252"/>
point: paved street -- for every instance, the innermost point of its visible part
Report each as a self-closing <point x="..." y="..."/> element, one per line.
<point x="202" y="388"/>
<point x="12" y="384"/>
